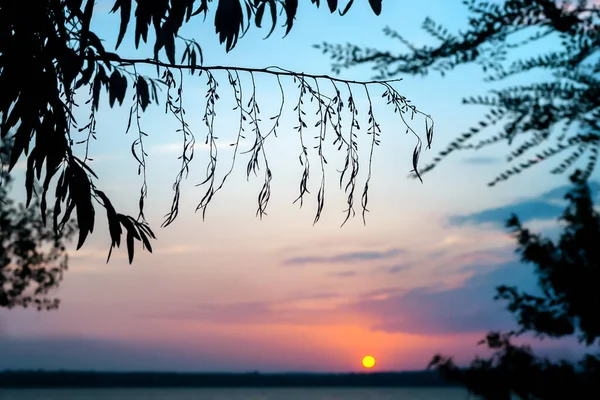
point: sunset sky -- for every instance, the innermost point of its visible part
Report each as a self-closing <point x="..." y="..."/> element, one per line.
<point x="235" y="293"/>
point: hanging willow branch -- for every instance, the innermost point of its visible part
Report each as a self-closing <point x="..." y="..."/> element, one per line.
<point x="51" y="42"/>
<point x="329" y="109"/>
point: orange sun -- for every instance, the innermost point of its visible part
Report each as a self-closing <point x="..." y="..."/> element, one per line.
<point x="368" y="361"/>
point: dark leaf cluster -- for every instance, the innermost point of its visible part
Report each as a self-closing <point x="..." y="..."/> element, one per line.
<point x="514" y="371"/>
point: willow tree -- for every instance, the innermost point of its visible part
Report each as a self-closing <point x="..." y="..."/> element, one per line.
<point x="49" y="54"/>
<point x="555" y="116"/>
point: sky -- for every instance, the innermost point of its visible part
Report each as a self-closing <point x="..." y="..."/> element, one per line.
<point x="233" y="292"/>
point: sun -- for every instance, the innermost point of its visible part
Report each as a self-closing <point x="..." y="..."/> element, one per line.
<point x="368" y="361"/>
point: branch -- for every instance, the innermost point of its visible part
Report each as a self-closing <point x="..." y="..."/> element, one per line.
<point x="569" y="98"/>
<point x="272" y="70"/>
<point x="329" y="109"/>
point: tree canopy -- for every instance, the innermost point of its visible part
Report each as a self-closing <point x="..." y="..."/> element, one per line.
<point x="32" y="258"/>
<point x="49" y="53"/>
<point x="568" y="272"/>
<point x="558" y="113"/>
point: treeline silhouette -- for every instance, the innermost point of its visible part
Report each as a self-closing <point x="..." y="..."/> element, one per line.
<point x="78" y="379"/>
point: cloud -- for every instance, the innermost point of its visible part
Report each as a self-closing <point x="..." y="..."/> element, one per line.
<point x="177" y="147"/>
<point x="205" y="354"/>
<point x="344" y="274"/>
<point x="487" y="257"/>
<point x="381" y="293"/>
<point x="392" y="269"/>
<point x="177" y="249"/>
<point x="525" y="210"/>
<point x="481" y="160"/>
<point x="310" y="309"/>
<point x="548" y="206"/>
<point x="560" y="192"/>
<point x="469" y="308"/>
<point x="351" y="257"/>
<point x="94" y="252"/>
<point x="94" y="354"/>
<point x="315" y="313"/>
<point x="384" y="269"/>
<point x="431" y="310"/>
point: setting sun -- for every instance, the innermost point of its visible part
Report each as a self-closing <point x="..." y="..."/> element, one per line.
<point x="368" y="362"/>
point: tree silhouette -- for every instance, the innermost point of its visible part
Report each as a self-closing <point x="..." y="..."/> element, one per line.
<point x="49" y="53"/>
<point x="568" y="273"/>
<point x="32" y="257"/>
<point x="560" y="113"/>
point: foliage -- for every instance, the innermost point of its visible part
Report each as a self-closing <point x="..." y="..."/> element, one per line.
<point x="560" y="113"/>
<point x="52" y="44"/>
<point x="32" y="257"/>
<point x="515" y="370"/>
<point x="568" y="273"/>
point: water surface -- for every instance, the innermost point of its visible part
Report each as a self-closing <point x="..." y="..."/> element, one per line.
<point x="238" y="394"/>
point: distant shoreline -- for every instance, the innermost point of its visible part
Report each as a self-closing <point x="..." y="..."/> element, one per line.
<point x="91" y="379"/>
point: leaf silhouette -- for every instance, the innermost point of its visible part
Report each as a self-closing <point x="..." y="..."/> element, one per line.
<point x="291" y="7"/>
<point x="376" y="6"/>
<point x="332" y="5"/>
<point x="125" y="6"/>
<point x="130" y="248"/>
<point x="260" y="11"/>
<point x="143" y="95"/>
<point x="347" y="7"/>
<point x="229" y="22"/>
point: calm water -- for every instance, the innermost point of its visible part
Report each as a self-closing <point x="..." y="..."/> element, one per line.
<point x="236" y="394"/>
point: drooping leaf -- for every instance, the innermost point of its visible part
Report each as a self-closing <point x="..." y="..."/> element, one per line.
<point x="114" y="225"/>
<point x="130" y="246"/>
<point x="143" y="95"/>
<point x="291" y="7"/>
<point x="229" y="22"/>
<point x="125" y="6"/>
<point x="86" y="74"/>
<point x="375" y="6"/>
<point x="332" y="5"/>
<point x="273" y="6"/>
<point x="99" y="80"/>
<point x="260" y="11"/>
<point x="113" y="87"/>
<point x="415" y="159"/>
<point x="169" y="43"/>
<point x="347" y="7"/>
<point x="81" y="195"/>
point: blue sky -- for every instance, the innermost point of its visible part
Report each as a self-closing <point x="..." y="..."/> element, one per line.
<point x="235" y="293"/>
